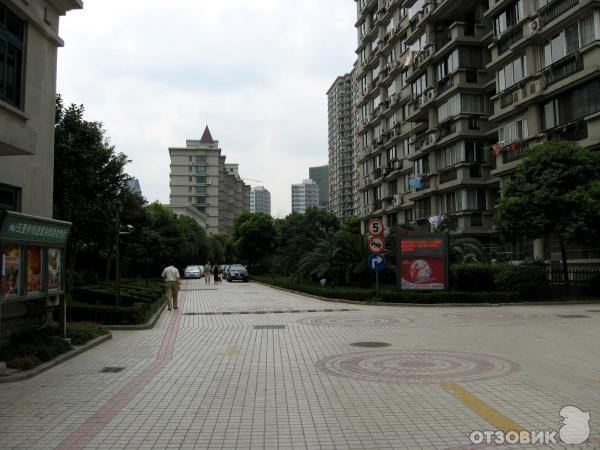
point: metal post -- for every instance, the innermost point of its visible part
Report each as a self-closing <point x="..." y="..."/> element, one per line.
<point x="118" y="258"/>
<point x="377" y="284"/>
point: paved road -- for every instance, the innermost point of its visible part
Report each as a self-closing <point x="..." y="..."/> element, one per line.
<point x="245" y="366"/>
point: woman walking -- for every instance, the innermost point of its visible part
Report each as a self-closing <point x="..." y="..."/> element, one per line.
<point x="216" y="273"/>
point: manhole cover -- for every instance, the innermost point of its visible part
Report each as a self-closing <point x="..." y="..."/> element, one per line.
<point x="112" y="369"/>
<point x="370" y="344"/>
<point x="355" y="321"/>
<point x="573" y="316"/>
<point x="269" y="327"/>
<point x="418" y="367"/>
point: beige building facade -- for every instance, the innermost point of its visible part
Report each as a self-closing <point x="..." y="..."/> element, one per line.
<point x="204" y="187"/>
<point x="450" y="93"/>
<point x="28" y="58"/>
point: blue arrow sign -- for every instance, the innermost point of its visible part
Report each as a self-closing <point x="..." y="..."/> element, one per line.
<point x="376" y="262"/>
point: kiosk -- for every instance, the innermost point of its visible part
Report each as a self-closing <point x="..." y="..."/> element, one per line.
<point x="32" y="265"/>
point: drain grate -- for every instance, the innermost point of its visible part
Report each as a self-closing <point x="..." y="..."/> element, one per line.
<point x="269" y="327"/>
<point x="112" y="369"/>
<point x="573" y="316"/>
<point x="370" y="344"/>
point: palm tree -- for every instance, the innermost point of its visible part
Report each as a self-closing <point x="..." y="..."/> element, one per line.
<point x="467" y="250"/>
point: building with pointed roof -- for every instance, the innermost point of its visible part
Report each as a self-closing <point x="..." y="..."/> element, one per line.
<point x="204" y="187"/>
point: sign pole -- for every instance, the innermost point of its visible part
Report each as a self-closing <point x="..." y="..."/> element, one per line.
<point x="377" y="284"/>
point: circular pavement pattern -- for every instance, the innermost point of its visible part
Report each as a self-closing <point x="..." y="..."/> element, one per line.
<point x="488" y="315"/>
<point x="355" y="321"/>
<point x="418" y="367"/>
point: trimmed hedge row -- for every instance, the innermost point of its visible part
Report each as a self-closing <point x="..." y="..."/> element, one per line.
<point x="101" y="294"/>
<point x="108" y="314"/>
<point x="390" y="296"/>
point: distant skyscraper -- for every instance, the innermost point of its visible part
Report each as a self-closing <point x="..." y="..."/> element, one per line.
<point x="305" y="195"/>
<point x="341" y="158"/>
<point x="134" y="186"/>
<point x="260" y="200"/>
<point x="320" y="175"/>
<point x="204" y="187"/>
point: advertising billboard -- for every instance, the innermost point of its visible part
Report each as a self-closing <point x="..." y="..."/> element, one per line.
<point x="423" y="261"/>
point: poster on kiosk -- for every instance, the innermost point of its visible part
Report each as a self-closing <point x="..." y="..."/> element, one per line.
<point x="423" y="262"/>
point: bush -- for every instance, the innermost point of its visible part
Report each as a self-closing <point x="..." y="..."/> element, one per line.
<point x="23" y="362"/>
<point x="524" y="279"/>
<point x="101" y="294"/>
<point x="82" y="332"/>
<point x="593" y="286"/>
<point x="473" y="277"/>
<point x="108" y="314"/>
<point x="38" y="344"/>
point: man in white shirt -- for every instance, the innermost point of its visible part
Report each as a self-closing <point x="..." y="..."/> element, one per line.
<point x="172" y="281"/>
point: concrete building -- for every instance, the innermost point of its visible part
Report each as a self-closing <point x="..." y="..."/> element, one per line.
<point x="204" y="187"/>
<point x="305" y="195"/>
<point x="260" y="200"/>
<point x="340" y="101"/>
<point x="32" y="254"/>
<point x="320" y="175"/>
<point x="28" y="52"/>
<point x="449" y="93"/>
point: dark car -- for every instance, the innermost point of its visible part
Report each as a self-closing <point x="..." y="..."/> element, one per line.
<point x="237" y="272"/>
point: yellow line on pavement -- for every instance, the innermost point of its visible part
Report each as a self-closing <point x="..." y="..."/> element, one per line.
<point x="495" y="418"/>
<point x="231" y="351"/>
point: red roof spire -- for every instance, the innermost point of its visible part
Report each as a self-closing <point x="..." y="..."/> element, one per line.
<point x="206" y="137"/>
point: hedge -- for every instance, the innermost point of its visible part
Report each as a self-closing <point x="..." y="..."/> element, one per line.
<point x="390" y="295"/>
<point x="473" y="277"/>
<point x="108" y="314"/>
<point x="528" y="280"/>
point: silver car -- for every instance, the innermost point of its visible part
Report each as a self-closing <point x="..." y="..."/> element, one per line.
<point x="193" y="272"/>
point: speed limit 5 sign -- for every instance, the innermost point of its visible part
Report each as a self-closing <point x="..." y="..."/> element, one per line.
<point x="375" y="227"/>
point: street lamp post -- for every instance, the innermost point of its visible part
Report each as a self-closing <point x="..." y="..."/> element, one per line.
<point x="118" y="208"/>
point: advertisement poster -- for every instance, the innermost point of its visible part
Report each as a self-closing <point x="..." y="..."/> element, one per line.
<point x="34" y="269"/>
<point x="423" y="273"/>
<point x="10" y="270"/>
<point x="54" y="268"/>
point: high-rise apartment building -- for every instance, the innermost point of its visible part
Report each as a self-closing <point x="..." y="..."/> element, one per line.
<point x="320" y="175"/>
<point x="450" y="93"/>
<point x="260" y="200"/>
<point x="204" y="187"/>
<point x="340" y="138"/>
<point x="305" y="195"/>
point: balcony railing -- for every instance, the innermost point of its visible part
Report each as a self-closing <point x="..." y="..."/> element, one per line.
<point x="445" y="83"/>
<point x="563" y="68"/>
<point x="555" y="8"/>
<point x="574" y="131"/>
<point x="445" y="130"/>
<point x="506" y="39"/>
<point x="448" y="175"/>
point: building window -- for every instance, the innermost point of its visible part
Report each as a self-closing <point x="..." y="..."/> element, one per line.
<point x="391" y="153"/>
<point x="511" y="74"/>
<point x="422" y="208"/>
<point x="392" y="188"/>
<point x="408" y="216"/>
<point x="365" y="197"/>
<point x="201" y="159"/>
<point x="12" y="32"/>
<point x="377" y="162"/>
<point x="448" y="157"/>
<point x="190" y="158"/>
<point x="476" y="199"/>
<point x="201" y="169"/>
<point x="474" y="151"/>
<point x="572" y="105"/>
<point x="405" y="147"/>
<point x="365" y="168"/>
<point x="507" y="19"/>
<point x="201" y="180"/>
<point x="189" y="189"/>
<point x="190" y="168"/>
<point x="200" y="189"/>
<point x="451" y="202"/>
<point x="513" y="130"/>
<point x="10" y="198"/>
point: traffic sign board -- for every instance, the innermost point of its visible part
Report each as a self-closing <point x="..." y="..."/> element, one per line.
<point x="376" y="244"/>
<point x="376" y="262"/>
<point x="375" y="227"/>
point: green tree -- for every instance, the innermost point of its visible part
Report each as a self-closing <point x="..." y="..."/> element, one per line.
<point x="88" y="176"/>
<point x="467" y="250"/>
<point x="555" y="191"/>
<point x="254" y="237"/>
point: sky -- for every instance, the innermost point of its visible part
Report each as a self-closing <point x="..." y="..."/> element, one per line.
<point x="156" y="72"/>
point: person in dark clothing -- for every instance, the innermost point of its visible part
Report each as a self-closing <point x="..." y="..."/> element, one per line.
<point x="216" y="273"/>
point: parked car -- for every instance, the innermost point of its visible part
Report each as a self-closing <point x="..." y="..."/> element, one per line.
<point x="193" y="272"/>
<point x="237" y="272"/>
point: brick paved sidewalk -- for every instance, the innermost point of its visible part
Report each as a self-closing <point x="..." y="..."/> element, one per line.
<point x="207" y="377"/>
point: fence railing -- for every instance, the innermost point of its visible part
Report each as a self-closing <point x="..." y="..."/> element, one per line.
<point x="575" y="274"/>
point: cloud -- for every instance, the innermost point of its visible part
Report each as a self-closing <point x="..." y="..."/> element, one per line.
<point x="258" y="72"/>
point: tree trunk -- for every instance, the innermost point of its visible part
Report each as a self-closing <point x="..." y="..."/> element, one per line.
<point x="563" y="254"/>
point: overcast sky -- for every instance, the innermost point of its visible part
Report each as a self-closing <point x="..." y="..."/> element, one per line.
<point x="155" y="71"/>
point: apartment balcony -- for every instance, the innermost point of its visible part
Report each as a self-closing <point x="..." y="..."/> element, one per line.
<point x="509" y="37"/>
<point x="573" y="131"/>
<point x="555" y="9"/>
<point x="563" y="68"/>
<point x="516" y="96"/>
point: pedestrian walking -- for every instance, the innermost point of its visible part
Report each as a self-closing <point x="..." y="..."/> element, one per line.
<point x="216" y="273"/>
<point x="207" y="272"/>
<point x="172" y="281"/>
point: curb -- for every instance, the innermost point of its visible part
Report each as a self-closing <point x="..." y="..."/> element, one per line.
<point x="461" y="305"/>
<point x="59" y="359"/>
<point x="144" y="326"/>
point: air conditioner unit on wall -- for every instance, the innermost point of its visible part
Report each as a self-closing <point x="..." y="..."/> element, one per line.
<point x="535" y="26"/>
